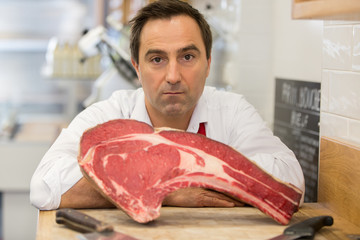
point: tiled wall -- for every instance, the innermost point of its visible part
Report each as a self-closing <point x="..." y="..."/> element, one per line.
<point x="340" y="89"/>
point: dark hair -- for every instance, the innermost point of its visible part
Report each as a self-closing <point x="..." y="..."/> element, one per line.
<point x="165" y="9"/>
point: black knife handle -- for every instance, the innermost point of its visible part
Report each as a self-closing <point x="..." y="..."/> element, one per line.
<point x="308" y="227"/>
<point x="81" y="222"/>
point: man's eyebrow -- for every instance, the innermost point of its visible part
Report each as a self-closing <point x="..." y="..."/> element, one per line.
<point x="154" y="51"/>
<point x="188" y="48"/>
<point x="162" y="52"/>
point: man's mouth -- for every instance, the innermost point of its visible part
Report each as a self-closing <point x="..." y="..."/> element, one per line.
<point x="172" y="93"/>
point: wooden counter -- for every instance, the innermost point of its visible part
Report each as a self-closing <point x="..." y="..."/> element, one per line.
<point x="199" y="223"/>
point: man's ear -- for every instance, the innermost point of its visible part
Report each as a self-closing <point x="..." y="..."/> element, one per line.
<point x="136" y="66"/>
<point x="208" y="67"/>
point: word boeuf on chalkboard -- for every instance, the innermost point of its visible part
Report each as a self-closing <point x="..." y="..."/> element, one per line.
<point x="296" y="123"/>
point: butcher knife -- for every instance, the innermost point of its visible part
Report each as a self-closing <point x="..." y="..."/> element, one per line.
<point x="91" y="227"/>
<point x="305" y="229"/>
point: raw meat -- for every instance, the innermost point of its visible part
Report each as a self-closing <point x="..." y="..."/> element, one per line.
<point x="136" y="167"/>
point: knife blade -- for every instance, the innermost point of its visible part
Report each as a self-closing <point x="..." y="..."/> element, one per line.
<point x="91" y="227"/>
<point x="305" y="229"/>
<point x="105" y="236"/>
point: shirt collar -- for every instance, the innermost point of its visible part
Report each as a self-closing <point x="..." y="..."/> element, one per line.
<point x="139" y="112"/>
<point x="199" y="115"/>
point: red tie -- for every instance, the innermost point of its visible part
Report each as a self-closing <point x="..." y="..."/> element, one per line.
<point x="202" y="129"/>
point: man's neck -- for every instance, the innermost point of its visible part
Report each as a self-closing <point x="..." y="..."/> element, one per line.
<point x="181" y="123"/>
<point x="178" y="122"/>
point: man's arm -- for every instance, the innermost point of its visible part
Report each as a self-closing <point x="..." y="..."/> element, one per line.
<point x="58" y="171"/>
<point x="250" y="135"/>
<point x="199" y="197"/>
<point x="83" y="195"/>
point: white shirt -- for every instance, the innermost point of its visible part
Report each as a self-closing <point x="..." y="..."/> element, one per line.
<point x="228" y="118"/>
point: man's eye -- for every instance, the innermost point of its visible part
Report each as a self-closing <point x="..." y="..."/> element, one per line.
<point x="156" y="60"/>
<point x="188" y="57"/>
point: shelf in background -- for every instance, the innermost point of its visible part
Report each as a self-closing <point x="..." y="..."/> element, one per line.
<point x="23" y="45"/>
<point x="326" y="9"/>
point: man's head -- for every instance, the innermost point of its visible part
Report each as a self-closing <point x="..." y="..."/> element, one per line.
<point x="172" y="59"/>
<point x="165" y="9"/>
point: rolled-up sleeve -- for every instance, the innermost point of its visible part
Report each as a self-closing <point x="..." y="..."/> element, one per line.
<point x="282" y="166"/>
<point x="57" y="172"/>
<point x="234" y="121"/>
<point x="256" y="141"/>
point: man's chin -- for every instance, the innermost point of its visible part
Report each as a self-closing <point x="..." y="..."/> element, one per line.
<point x="174" y="111"/>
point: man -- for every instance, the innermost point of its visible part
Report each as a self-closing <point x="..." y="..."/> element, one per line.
<point x="171" y="53"/>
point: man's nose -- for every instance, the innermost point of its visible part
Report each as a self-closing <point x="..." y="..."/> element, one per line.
<point x="173" y="75"/>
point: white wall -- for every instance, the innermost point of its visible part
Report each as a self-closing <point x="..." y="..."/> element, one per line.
<point x="18" y="162"/>
<point x="262" y="43"/>
<point x="19" y="217"/>
<point x="340" y="108"/>
<point x="297" y="45"/>
<point x="250" y="70"/>
<point x="244" y="65"/>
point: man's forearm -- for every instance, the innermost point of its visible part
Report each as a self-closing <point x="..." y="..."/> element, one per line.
<point x="83" y="195"/>
<point x="199" y="197"/>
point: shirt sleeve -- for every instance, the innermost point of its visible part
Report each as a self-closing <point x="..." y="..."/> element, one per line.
<point x="56" y="173"/>
<point x="58" y="170"/>
<point x="250" y="136"/>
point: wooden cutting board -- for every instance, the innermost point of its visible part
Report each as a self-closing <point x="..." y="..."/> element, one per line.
<point x="199" y="223"/>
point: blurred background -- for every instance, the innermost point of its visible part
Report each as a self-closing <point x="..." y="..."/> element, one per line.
<point x="47" y="78"/>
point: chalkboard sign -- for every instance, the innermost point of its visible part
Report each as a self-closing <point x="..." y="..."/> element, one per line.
<point x="296" y="123"/>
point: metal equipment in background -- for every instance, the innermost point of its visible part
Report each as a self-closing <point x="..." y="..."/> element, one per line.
<point x="120" y="74"/>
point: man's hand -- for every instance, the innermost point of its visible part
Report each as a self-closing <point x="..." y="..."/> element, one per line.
<point x="199" y="197"/>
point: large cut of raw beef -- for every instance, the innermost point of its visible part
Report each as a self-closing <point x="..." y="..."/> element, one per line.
<point x="136" y="167"/>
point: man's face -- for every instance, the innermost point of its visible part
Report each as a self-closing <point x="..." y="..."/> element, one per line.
<point x="172" y="65"/>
